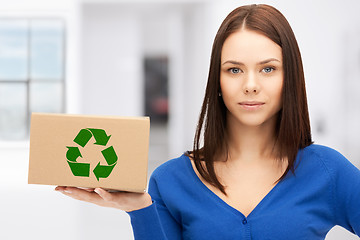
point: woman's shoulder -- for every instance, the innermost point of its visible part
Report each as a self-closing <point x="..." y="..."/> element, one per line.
<point x="173" y="167"/>
<point x="322" y="151"/>
<point x="331" y="159"/>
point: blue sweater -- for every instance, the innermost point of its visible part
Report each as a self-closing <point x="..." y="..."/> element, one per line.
<point x="324" y="192"/>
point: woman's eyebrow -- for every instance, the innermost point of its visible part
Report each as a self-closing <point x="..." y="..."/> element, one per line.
<point x="268" y="60"/>
<point x="259" y="63"/>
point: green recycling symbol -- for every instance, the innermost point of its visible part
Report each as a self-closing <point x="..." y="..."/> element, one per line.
<point x="83" y="169"/>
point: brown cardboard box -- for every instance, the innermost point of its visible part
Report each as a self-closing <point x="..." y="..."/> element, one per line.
<point x="89" y="151"/>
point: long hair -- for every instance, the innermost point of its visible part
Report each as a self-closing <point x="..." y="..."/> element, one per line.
<point x="293" y="125"/>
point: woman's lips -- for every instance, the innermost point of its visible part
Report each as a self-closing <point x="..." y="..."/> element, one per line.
<point x="251" y="105"/>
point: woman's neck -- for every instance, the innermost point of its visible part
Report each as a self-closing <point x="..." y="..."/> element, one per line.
<point x="251" y="143"/>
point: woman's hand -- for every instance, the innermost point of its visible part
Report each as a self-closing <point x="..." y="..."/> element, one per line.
<point x="125" y="201"/>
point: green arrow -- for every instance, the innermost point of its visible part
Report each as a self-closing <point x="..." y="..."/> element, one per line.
<point x="79" y="169"/>
<point x="103" y="171"/>
<point x="83" y="137"/>
<point x="73" y="153"/>
<point x="83" y="169"/>
<point x="100" y="136"/>
<point x="110" y="155"/>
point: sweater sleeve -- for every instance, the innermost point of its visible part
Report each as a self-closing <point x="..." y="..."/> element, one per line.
<point x="155" y="222"/>
<point x="346" y="189"/>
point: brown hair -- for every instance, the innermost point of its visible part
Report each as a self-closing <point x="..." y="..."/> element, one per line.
<point x="293" y="125"/>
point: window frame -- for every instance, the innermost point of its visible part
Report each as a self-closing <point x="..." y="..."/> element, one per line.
<point x="28" y="80"/>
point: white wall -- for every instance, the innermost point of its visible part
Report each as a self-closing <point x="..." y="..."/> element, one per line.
<point x="111" y="61"/>
<point x="113" y="45"/>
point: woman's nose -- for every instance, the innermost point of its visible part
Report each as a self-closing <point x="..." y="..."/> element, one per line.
<point x="251" y="85"/>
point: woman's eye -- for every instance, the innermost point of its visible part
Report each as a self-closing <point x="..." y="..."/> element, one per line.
<point x="268" y="69"/>
<point x="235" y="70"/>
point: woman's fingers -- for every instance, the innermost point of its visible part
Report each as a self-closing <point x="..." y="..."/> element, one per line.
<point x="80" y="194"/>
<point x="104" y="194"/>
<point x="87" y="189"/>
<point x="126" y="201"/>
<point x="59" y="188"/>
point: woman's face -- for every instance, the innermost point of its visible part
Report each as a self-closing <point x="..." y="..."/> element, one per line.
<point x="251" y="78"/>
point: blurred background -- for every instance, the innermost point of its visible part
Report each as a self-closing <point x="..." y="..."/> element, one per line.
<point x="145" y="57"/>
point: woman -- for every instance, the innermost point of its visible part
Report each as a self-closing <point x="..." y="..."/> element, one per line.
<point x="257" y="174"/>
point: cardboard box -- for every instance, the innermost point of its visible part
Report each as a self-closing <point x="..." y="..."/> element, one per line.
<point x="89" y="151"/>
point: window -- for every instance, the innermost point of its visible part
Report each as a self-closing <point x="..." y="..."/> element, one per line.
<point x="32" y="72"/>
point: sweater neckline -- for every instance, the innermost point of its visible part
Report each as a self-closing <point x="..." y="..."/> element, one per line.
<point x="224" y="204"/>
